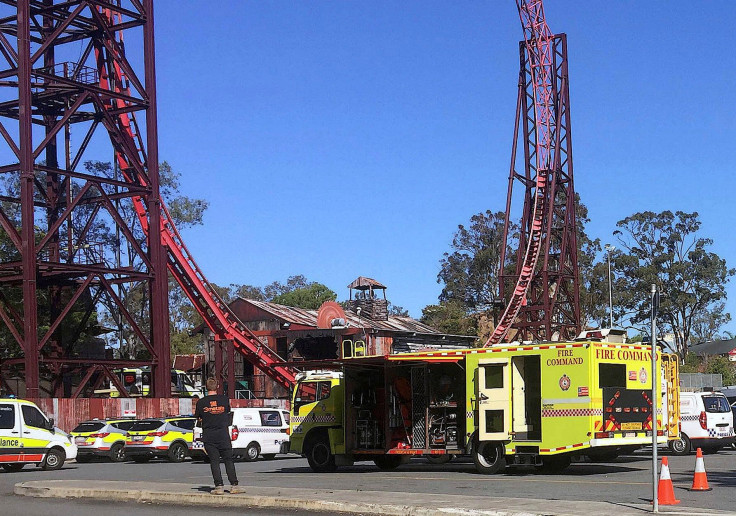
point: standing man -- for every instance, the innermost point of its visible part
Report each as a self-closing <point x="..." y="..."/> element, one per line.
<point x="213" y="413"/>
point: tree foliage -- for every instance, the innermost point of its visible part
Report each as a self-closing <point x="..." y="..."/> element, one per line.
<point x="310" y="297"/>
<point x="593" y="284"/>
<point x="665" y="249"/>
<point x="470" y="271"/>
<point x="450" y="317"/>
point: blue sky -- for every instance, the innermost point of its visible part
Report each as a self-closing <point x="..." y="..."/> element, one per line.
<point x="338" y="139"/>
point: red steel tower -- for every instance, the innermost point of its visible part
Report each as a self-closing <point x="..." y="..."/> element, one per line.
<point x="65" y="71"/>
<point x="542" y="290"/>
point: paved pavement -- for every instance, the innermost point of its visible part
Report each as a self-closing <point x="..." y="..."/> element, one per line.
<point x="622" y="487"/>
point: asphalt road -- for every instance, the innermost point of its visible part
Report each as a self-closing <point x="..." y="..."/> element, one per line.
<point x="628" y="480"/>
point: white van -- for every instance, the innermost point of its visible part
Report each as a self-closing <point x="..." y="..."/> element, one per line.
<point x="706" y="422"/>
<point x="260" y="431"/>
<point x="27" y="436"/>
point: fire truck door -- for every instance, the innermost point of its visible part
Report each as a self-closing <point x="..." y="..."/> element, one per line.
<point x="494" y="399"/>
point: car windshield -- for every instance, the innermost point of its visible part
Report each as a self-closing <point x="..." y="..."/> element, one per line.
<point x="716" y="404"/>
<point x="146" y="426"/>
<point x="89" y="426"/>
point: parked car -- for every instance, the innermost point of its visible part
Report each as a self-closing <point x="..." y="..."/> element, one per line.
<point x="101" y="438"/>
<point x="169" y="438"/>
<point x="706" y="422"/>
<point x="256" y="432"/>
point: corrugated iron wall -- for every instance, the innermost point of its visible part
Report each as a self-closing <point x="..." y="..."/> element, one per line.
<point x="69" y="412"/>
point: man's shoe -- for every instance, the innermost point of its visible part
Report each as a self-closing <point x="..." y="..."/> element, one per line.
<point x="218" y="490"/>
<point x="236" y="490"/>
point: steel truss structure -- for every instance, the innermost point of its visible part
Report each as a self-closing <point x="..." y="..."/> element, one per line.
<point x="63" y="63"/>
<point x="98" y="88"/>
<point x="542" y="291"/>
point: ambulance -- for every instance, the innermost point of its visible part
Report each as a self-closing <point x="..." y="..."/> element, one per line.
<point x="171" y="438"/>
<point x="27" y="436"/>
<point x="101" y="438"/>
<point x="536" y="404"/>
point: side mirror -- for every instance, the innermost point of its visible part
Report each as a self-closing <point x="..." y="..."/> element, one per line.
<point x="51" y="424"/>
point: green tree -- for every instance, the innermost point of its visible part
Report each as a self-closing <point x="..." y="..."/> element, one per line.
<point x="722" y="366"/>
<point x="450" y="317"/>
<point x="469" y="272"/>
<point x="396" y="310"/>
<point x="310" y="297"/>
<point x="593" y="274"/>
<point x="275" y="289"/>
<point x="665" y="249"/>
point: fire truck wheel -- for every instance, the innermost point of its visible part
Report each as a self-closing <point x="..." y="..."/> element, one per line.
<point x="439" y="459"/>
<point x="489" y="457"/>
<point x="319" y="455"/>
<point x="251" y="452"/>
<point x="388" y="461"/>
<point x="680" y="446"/>
<point x="556" y="463"/>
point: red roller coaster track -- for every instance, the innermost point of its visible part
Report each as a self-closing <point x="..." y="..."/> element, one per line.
<point x="543" y="84"/>
<point x="215" y="312"/>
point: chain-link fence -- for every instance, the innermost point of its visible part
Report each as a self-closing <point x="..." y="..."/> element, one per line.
<point x="693" y="382"/>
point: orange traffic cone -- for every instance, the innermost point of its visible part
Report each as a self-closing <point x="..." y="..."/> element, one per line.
<point x="700" y="480"/>
<point x="666" y="491"/>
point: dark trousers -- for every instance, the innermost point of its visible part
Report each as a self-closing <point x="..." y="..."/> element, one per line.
<point x="224" y="451"/>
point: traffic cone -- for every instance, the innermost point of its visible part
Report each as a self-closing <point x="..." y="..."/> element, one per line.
<point x="666" y="491"/>
<point x="700" y="480"/>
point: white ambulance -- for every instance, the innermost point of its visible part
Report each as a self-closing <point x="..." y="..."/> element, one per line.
<point x="27" y="436"/>
<point x="706" y="422"/>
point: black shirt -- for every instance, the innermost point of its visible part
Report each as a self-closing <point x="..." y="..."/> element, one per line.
<point x="214" y="412"/>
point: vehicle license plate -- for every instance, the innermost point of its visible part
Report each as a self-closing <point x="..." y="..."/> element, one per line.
<point x="80" y="439"/>
<point x="629" y="434"/>
<point x="138" y="437"/>
<point x="630" y="426"/>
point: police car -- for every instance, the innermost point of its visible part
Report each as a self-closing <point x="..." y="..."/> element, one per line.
<point x="706" y="422"/>
<point x="27" y="436"/>
<point x="170" y="438"/>
<point x="101" y="438"/>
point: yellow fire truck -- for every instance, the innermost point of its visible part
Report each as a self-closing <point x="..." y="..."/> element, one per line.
<point x="535" y="404"/>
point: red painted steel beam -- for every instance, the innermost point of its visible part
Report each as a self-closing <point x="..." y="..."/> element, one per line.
<point x="30" y="306"/>
<point x="159" y="285"/>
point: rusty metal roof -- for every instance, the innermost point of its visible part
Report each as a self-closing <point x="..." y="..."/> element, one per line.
<point x="363" y="283"/>
<point x="305" y="317"/>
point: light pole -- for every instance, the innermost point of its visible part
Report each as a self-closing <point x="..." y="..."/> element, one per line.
<point x="653" y="412"/>
<point x="610" y="248"/>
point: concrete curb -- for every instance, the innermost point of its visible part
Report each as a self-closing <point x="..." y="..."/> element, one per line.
<point x="347" y="502"/>
<point x="241" y="500"/>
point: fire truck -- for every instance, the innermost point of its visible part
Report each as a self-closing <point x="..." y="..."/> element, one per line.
<point x="536" y="404"/>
